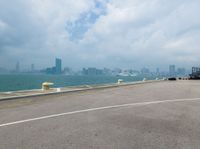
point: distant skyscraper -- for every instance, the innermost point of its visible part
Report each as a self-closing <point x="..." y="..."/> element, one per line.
<point x="32" y="67"/>
<point x="17" y="69"/>
<point x="181" y="71"/>
<point x="157" y="71"/>
<point x="145" y="70"/>
<point x="67" y="71"/>
<point x="172" y="70"/>
<point x="92" y="71"/>
<point x="58" y="66"/>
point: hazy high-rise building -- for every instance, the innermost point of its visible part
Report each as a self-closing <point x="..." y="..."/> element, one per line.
<point x="17" y="68"/>
<point x="157" y="71"/>
<point x="172" y="70"/>
<point x="145" y="70"/>
<point x="58" y="67"/>
<point x="92" y="71"/>
<point x="181" y="71"/>
<point x="32" y="67"/>
<point x="67" y="71"/>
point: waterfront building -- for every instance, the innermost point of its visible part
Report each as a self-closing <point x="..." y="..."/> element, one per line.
<point x="107" y="71"/>
<point x="67" y="71"/>
<point x="145" y="71"/>
<point x="195" y="73"/>
<point x="92" y="71"/>
<point x="157" y="71"/>
<point x="172" y="70"/>
<point x="116" y="71"/>
<point x="58" y="67"/>
<point x="181" y="71"/>
<point x="32" y="67"/>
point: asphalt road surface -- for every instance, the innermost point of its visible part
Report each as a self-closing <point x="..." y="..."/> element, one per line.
<point x="160" y="115"/>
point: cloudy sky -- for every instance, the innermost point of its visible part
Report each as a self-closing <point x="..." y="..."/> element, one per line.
<point x="100" y="33"/>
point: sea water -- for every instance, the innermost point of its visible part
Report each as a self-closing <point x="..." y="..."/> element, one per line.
<point x="27" y="82"/>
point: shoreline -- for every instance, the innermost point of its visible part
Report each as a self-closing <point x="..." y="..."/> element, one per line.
<point x="15" y="83"/>
<point x="10" y="95"/>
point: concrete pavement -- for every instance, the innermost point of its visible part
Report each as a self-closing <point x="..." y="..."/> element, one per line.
<point x="144" y="123"/>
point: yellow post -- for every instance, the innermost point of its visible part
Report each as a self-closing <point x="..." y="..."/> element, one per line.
<point x="46" y="85"/>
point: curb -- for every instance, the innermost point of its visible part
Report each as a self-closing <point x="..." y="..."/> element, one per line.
<point x="78" y="90"/>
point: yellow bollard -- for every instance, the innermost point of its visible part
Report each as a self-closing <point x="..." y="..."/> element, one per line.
<point x="46" y="85"/>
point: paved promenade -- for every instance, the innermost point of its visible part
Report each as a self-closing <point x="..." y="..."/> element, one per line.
<point x="160" y="115"/>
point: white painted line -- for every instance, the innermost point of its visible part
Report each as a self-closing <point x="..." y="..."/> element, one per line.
<point x="96" y="109"/>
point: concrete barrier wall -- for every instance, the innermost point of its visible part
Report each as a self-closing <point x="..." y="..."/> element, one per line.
<point x="78" y="89"/>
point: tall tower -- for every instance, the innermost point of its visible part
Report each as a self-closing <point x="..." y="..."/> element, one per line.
<point x="172" y="71"/>
<point x="157" y="71"/>
<point x="58" y="66"/>
<point x="17" y="68"/>
<point x="32" y="67"/>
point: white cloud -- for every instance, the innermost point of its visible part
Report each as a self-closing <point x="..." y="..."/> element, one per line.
<point x="146" y="31"/>
<point x="129" y="33"/>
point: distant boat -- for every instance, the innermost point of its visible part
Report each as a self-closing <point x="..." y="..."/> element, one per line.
<point x="127" y="74"/>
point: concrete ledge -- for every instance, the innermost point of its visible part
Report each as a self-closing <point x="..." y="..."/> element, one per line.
<point x="73" y="90"/>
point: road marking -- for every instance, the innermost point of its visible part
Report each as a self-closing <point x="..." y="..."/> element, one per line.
<point x="96" y="109"/>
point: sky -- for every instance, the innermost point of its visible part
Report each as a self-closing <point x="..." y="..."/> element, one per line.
<point x="100" y="33"/>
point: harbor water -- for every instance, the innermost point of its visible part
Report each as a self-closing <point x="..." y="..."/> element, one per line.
<point x="28" y="82"/>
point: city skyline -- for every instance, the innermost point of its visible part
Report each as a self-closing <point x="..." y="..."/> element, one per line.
<point x="32" y="67"/>
<point x="58" y="69"/>
<point x="25" y="66"/>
